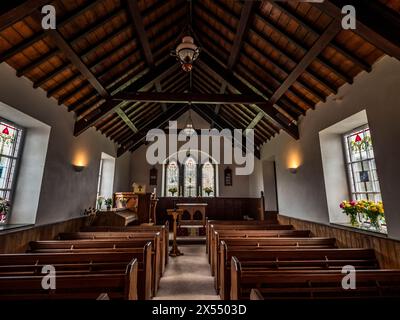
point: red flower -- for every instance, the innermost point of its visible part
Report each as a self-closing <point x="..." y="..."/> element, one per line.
<point x="5" y="131"/>
<point x="358" y="138"/>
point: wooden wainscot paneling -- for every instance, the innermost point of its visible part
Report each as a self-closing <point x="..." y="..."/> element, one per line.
<point x="387" y="250"/>
<point x="17" y="240"/>
<point x="217" y="207"/>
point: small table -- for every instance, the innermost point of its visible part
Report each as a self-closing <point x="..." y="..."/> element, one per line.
<point x="192" y="208"/>
<point x="176" y="214"/>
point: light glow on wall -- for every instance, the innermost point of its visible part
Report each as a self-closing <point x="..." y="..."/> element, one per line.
<point x="294" y="160"/>
<point x="80" y="159"/>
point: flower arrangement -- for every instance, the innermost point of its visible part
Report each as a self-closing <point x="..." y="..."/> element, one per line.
<point x="123" y="201"/>
<point x="350" y="209"/>
<point x="100" y="200"/>
<point x="208" y="190"/>
<point x="4" y="209"/>
<point x="108" y="202"/>
<point x="369" y="210"/>
<point x="173" y="190"/>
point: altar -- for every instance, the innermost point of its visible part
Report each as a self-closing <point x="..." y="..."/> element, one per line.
<point x="192" y="209"/>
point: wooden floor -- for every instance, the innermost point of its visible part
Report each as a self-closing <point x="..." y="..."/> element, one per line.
<point x="188" y="277"/>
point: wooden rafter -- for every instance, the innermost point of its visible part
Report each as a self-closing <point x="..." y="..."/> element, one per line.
<point x="137" y="19"/>
<point x="11" y="16"/>
<point x="375" y="23"/>
<point x="172" y="113"/>
<point x="221" y="124"/>
<point x="330" y="33"/>
<point x="193" y="97"/>
<point x="240" y="33"/>
<point x="282" y="68"/>
<point x="306" y="25"/>
<point x="109" y="106"/>
<point x="40" y="35"/>
<point x="71" y="55"/>
<point x="214" y="67"/>
<point x="134" y="12"/>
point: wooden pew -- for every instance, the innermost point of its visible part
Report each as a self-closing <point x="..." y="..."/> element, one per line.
<point x="78" y="286"/>
<point x="218" y="235"/>
<point x="230" y="222"/>
<point x="261" y="244"/>
<point x="158" y="245"/>
<point x="288" y="259"/>
<point x="312" y="284"/>
<point x="134" y="247"/>
<point x="155" y="237"/>
<point x="212" y="227"/>
<point x="164" y="229"/>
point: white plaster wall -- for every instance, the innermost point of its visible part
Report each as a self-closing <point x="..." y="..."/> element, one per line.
<point x="64" y="193"/>
<point x="303" y="195"/>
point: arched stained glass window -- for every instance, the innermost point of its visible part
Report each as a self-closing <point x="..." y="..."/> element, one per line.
<point x="190" y="178"/>
<point x="207" y="178"/>
<point x="172" y="179"/>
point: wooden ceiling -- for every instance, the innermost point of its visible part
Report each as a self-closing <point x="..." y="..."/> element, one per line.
<point x="263" y="64"/>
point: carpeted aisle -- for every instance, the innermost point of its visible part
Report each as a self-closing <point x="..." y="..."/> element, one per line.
<point x="188" y="277"/>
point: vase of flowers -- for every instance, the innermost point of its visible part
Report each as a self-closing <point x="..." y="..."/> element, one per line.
<point x="108" y="202"/>
<point x="100" y="200"/>
<point x="173" y="190"/>
<point x="123" y="201"/>
<point x="4" y="210"/>
<point x="363" y="211"/>
<point x="374" y="212"/>
<point x="208" y="190"/>
<point x="350" y="209"/>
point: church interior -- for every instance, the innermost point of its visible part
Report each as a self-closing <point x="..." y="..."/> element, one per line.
<point x="199" y="150"/>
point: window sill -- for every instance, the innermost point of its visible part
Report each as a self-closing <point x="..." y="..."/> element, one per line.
<point x="362" y="230"/>
<point x="7" y="227"/>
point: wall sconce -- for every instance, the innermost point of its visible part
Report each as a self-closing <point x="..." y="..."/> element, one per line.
<point x="78" y="168"/>
<point x="293" y="170"/>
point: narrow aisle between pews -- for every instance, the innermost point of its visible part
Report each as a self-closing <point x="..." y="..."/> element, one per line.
<point x="188" y="277"/>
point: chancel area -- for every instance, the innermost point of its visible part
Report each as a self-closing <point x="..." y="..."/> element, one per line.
<point x="199" y="150"/>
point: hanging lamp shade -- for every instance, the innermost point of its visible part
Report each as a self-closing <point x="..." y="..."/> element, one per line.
<point x="189" y="127"/>
<point x="187" y="52"/>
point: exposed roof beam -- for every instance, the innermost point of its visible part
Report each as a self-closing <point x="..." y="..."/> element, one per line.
<point x="306" y="25"/>
<point x="375" y="23"/>
<point x="134" y="12"/>
<point x="157" y="85"/>
<point x="109" y="106"/>
<point x="216" y="68"/>
<point x="71" y="55"/>
<point x="221" y="91"/>
<point x="162" y="119"/>
<point x="40" y="35"/>
<point x="199" y="98"/>
<point x="243" y="26"/>
<point x="10" y="16"/>
<point x="255" y="121"/>
<point x="125" y="118"/>
<point x="221" y="123"/>
<point x="144" y="40"/>
<point x="330" y="33"/>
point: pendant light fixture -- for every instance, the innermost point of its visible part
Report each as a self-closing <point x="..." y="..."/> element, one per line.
<point x="187" y="51"/>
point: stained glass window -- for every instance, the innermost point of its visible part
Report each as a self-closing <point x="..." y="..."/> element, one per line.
<point x="10" y="144"/>
<point x="361" y="167"/>
<point x="172" y="179"/>
<point x="208" y="179"/>
<point x="190" y="178"/>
